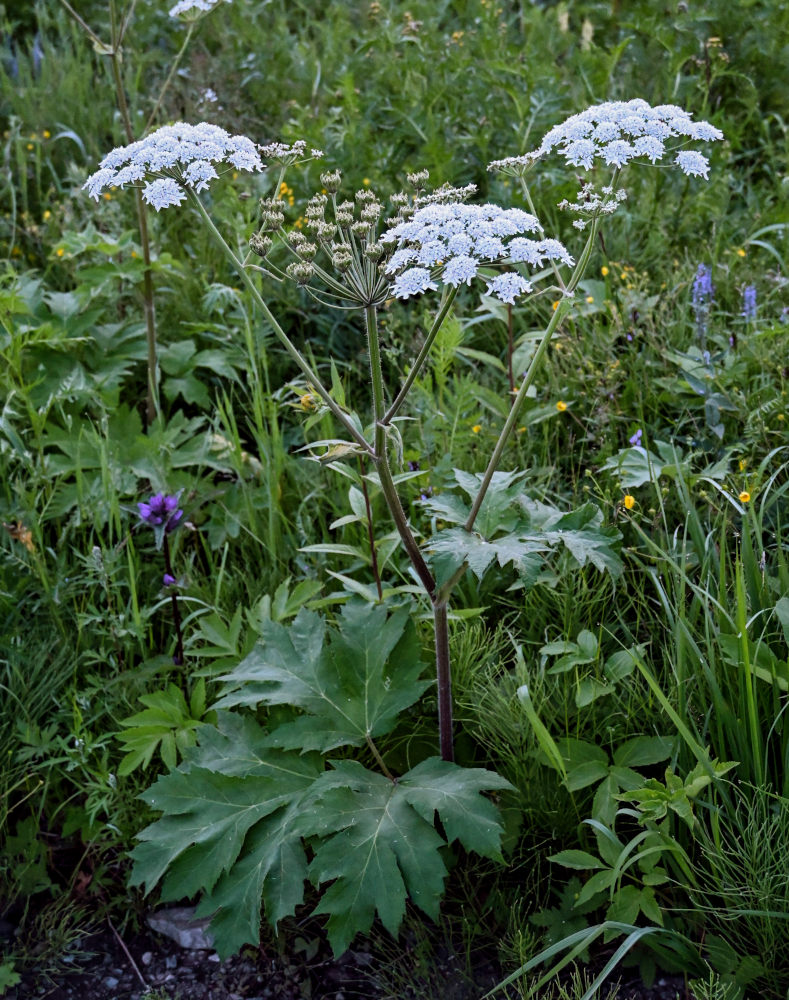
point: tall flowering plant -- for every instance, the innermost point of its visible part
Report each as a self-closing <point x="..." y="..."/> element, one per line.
<point x="349" y="684"/>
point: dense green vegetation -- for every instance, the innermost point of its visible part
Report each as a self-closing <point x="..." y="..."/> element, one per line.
<point x="629" y="690"/>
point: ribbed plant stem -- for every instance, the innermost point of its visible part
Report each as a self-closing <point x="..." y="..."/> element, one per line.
<point x="440" y="615"/>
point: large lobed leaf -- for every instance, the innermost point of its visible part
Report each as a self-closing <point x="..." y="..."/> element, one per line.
<point x="385" y="846"/>
<point x="511" y="528"/>
<point x="351" y="682"/>
<point x="229" y="829"/>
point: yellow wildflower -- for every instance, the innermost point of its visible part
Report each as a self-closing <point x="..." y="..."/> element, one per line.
<point x="47" y="134"/>
<point x="590" y="299"/>
<point x="47" y="215"/>
<point x="604" y="271"/>
<point x="742" y="252"/>
<point x="476" y="428"/>
<point x="745" y="496"/>
<point x="629" y="501"/>
<point x="308" y="401"/>
<point x="60" y="251"/>
<point x="742" y="464"/>
<point x="555" y="305"/>
<point x="561" y="406"/>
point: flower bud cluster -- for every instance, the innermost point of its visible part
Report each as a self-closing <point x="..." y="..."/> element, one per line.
<point x="591" y="203"/>
<point x="261" y="245"/>
<point x="300" y="272"/>
<point x="285" y="155"/>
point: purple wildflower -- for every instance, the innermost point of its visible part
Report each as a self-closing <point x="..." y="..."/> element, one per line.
<point x="749" y="303"/>
<point x="702" y="297"/>
<point x="161" y="509"/>
<point x="168" y="580"/>
<point x="635" y="440"/>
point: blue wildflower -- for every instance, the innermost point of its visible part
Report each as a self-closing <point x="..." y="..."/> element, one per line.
<point x="635" y="440"/>
<point x="161" y="509"/>
<point x="749" y="303"/>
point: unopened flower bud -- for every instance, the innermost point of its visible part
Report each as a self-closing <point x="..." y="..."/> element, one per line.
<point x="418" y="178"/>
<point x="306" y="250"/>
<point x="344" y="218"/>
<point x="331" y="181"/>
<point x="259" y="244"/>
<point x="324" y="231"/>
<point x="341" y="258"/>
<point x="371" y="212"/>
<point x="361" y="230"/>
<point x="399" y="199"/>
<point x="271" y="221"/>
<point x="296" y="238"/>
<point x="301" y="272"/>
<point x="365" y="195"/>
<point x="374" y="251"/>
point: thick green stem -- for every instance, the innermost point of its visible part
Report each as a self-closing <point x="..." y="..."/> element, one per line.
<point x="280" y="334"/>
<point x="443" y="671"/>
<point x="421" y="357"/>
<point x="444" y="680"/>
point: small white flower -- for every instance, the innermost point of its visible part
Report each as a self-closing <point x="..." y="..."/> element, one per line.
<point x="508" y="286"/>
<point x="199" y="173"/>
<point x="163" y="193"/>
<point x="192" y="9"/>
<point x="618" y="152"/>
<point x="414" y="281"/>
<point x="460" y="269"/>
<point x="693" y="164"/>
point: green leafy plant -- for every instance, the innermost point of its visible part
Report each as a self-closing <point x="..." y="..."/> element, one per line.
<point x="237" y="811"/>
<point x="168" y="724"/>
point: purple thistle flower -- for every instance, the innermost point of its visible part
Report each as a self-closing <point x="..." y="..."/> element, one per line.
<point x="162" y="509"/>
<point x="635" y="440"/>
<point x="749" y="303"/>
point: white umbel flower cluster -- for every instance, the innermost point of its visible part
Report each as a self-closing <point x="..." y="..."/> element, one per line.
<point x="619" y="132"/>
<point x="191" y="10"/>
<point x="450" y="242"/>
<point x="171" y="157"/>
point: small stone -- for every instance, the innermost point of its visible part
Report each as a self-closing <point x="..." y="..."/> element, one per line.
<point x="147" y="957"/>
<point x="180" y="924"/>
<point x="111" y="982"/>
<point x="171" y="961"/>
<point x="214" y="958"/>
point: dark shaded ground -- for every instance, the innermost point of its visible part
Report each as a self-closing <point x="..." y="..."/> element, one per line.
<point x="106" y="970"/>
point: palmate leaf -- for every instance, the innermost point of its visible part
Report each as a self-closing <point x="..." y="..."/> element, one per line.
<point x="352" y="682"/>
<point x="228" y="829"/>
<point x="516" y="530"/>
<point x="385" y="846"/>
<point x="452" y="547"/>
